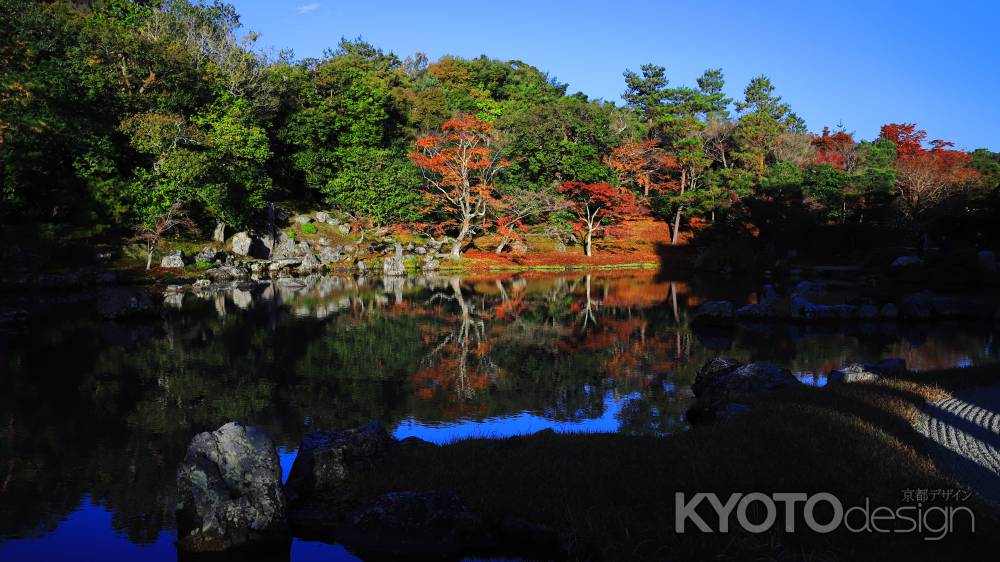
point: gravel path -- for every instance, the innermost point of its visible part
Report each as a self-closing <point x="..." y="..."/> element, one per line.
<point x="966" y="428"/>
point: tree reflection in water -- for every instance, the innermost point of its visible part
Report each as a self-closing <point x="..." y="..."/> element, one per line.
<point x="104" y="410"/>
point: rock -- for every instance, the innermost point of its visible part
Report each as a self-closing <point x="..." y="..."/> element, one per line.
<point x="329" y="255"/>
<point x="302" y="219"/>
<point x="888" y="311"/>
<point x="322" y="216"/>
<point x="430" y="524"/>
<point x="519" y="247"/>
<point x="309" y="263"/>
<point x="229" y="492"/>
<point x="241" y="243"/>
<point x="860" y="372"/>
<point x="361" y="266"/>
<point x="344" y="229"/>
<point x="393" y="266"/>
<point x="767" y="307"/>
<point x="907" y="261"/>
<point x="333" y="221"/>
<point x="560" y="247"/>
<point x="987" y="261"/>
<point x="201" y="284"/>
<point x="714" y="312"/>
<point x="724" y="381"/>
<point x="420" y="250"/>
<point x="175" y="259"/>
<point x="207" y="254"/>
<point x="323" y="241"/>
<point x="226" y="273"/>
<point x="219" y="234"/>
<point x="326" y="459"/>
<point x="117" y="302"/>
<point x="285" y="248"/>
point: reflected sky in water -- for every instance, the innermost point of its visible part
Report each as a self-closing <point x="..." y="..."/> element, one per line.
<point x="95" y="415"/>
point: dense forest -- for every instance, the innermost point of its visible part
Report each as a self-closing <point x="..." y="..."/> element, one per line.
<point x="112" y="112"/>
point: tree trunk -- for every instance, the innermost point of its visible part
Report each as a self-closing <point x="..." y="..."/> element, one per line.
<point x="590" y="241"/>
<point x="149" y="259"/>
<point x="456" y="249"/>
<point x="677" y="216"/>
<point x="503" y="244"/>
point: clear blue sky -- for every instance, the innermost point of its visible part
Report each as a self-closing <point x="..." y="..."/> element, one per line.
<point x="857" y="62"/>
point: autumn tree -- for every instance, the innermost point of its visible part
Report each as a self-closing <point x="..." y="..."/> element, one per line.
<point x="512" y="209"/>
<point x="641" y="164"/>
<point x="597" y="204"/>
<point x="460" y="165"/>
<point x="836" y="149"/>
<point x="928" y="178"/>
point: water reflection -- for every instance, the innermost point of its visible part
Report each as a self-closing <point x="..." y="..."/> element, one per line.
<point x="95" y="415"/>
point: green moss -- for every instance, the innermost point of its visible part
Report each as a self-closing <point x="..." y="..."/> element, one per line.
<point x="309" y="228"/>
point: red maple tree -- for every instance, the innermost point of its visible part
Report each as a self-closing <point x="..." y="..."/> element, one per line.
<point x="838" y="150"/>
<point x="459" y="165"/>
<point x="595" y="203"/>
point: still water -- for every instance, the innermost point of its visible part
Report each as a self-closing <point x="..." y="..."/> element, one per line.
<point x="95" y="415"/>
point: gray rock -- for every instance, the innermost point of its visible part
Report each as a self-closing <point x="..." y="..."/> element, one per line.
<point x="907" y="261"/>
<point x="241" y="243"/>
<point x="714" y="312"/>
<point x="333" y="221"/>
<point x="322" y="216"/>
<point x="768" y="306"/>
<point x="429" y="524"/>
<point x="201" y="284"/>
<point x="117" y="302"/>
<point x="285" y="247"/>
<point x="724" y="381"/>
<point x="329" y="255"/>
<point x="327" y="459"/>
<point x="344" y="229"/>
<point x="560" y="247"/>
<point x="323" y="241"/>
<point x="862" y="372"/>
<point x="308" y="263"/>
<point x="361" y="266"/>
<point x="393" y="266"/>
<point x="801" y="308"/>
<point x="420" y="250"/>
<point x="173" y="260"/>
<point x="226" y="273"/>
<point x="219" y="234"/>
<point x="302" y="219"/>
<point x="207" y="254"/>
<point x="229" y="492"/>
<point x="174" y="300"/>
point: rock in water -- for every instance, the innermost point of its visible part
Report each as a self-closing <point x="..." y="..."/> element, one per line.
<point x="328" y="458"/>
<point x="241" y="243"/>
<point x="714" y="312"/>
<point x="176" y="259"/>
<point x="723" y="382"/>
<point x="229" y="492"/>
<point x="207" y="254"/>
<point x="393" y="265"/>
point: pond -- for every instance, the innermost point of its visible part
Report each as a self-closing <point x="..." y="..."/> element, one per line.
<point x="95" y="415"/>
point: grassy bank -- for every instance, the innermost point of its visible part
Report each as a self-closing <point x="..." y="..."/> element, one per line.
<point x="612" y="496"/>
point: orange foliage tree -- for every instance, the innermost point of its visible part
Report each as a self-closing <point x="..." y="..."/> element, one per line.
<point x="594" y="203"/>
<point x="838" y="150"/>
<point x="643" y="164"/>
<point x="459" y="165"/>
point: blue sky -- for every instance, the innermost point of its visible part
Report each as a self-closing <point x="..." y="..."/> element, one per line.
<point x="860" y="63"/>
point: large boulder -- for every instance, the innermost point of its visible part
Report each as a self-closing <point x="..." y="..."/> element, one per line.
<point x="428" y="524"/>
<point x="174" y="259"/>
<point x="326" y="459"/>
<point x="225" y="273"/>
<point x="724" y="382"/>
<point x="241" y="243"/>
<point x="207" y="254"/>
<point x="285" y="248"/>
<point x="229" y="492"/>
<point x="329" y="255"/>
<point x="393" y="265"/>
<point x="714" y="312"/>
<point x="309" y="263"/>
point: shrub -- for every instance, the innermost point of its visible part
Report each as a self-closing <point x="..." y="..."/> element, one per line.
<point x="309" y="228"/>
